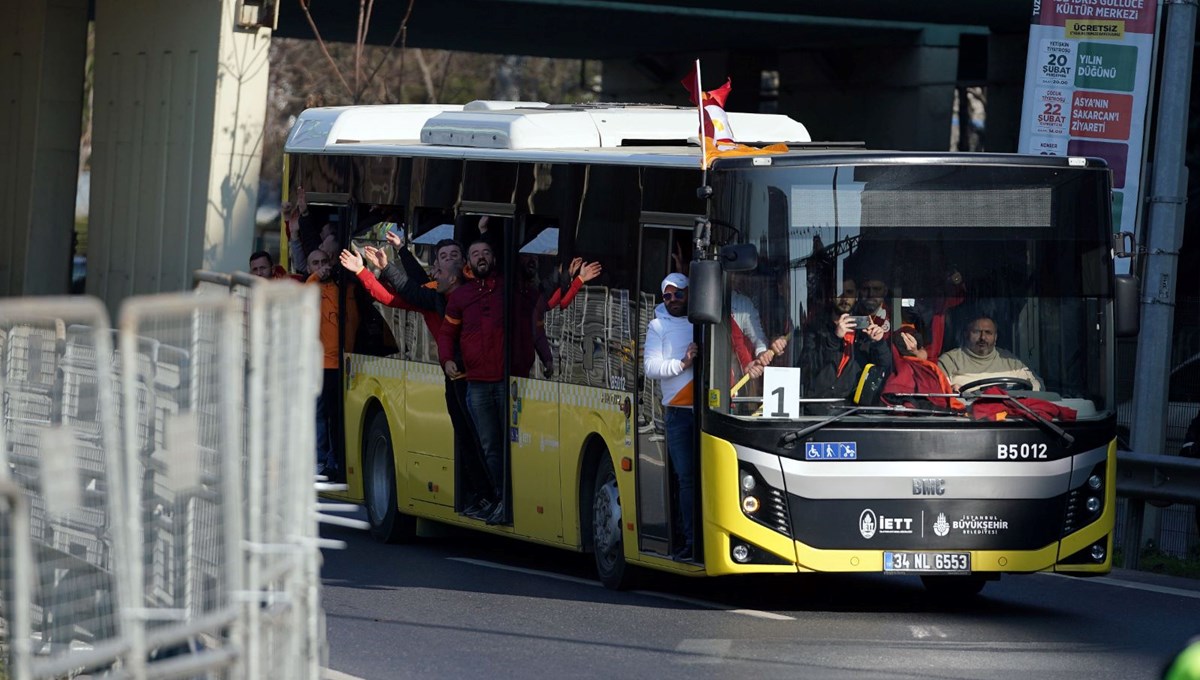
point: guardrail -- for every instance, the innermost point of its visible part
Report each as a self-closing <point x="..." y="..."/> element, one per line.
<point x="1145" y="477"/>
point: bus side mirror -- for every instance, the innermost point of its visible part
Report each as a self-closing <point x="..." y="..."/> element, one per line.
<point x="1126" y="307"/>
<point x="706" y="297"/>
<point x="1123" y="244"/>
<point x="739" y="257"/>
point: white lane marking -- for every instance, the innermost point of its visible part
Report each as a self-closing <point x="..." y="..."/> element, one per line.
<point x="720" y="607"/>
<point x="522" y="570"/>
<point x="922" y="632"/>
<point x="704" y="651"/>
<point x="1132" y="585"/>
<point x="330" y="674"/>
<point x="649" y="593"/>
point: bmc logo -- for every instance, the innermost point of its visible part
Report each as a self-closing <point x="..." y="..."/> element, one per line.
<point x="928" y="486"/>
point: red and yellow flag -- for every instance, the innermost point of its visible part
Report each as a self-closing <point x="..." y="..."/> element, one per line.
<point x="717" y="133"/>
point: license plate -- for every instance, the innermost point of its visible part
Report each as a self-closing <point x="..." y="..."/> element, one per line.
<point x="927" y="562"/>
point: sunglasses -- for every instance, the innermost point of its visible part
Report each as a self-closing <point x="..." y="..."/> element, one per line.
<point x="677" y="295"/>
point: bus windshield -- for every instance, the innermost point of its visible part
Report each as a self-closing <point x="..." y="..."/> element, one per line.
<point x="869" y="276"/>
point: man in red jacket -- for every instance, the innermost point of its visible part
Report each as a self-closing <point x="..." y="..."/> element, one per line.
<point x="474" y="324"/>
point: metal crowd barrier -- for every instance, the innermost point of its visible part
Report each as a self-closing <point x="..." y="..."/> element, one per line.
<point x="16" y="580"/>
<point x="63" y="453"/>
<point x="155" y="518"/>
<point x="184" y="478"/>
<point x="283" y="617"/>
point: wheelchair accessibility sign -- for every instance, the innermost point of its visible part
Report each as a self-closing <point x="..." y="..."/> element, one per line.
<point x="831" y="451"/>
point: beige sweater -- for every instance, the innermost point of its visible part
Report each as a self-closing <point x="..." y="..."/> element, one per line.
<point x="963" y="366"/>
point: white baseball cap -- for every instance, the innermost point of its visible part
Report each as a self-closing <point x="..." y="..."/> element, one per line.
<point x="675" y="279"/>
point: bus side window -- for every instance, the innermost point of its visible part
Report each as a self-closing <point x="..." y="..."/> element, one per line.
<point x="602" y="321"/>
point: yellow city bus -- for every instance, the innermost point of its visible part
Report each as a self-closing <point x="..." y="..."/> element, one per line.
<point x="792" y="475"/>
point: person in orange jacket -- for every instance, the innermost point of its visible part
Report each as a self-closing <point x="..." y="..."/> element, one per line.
<point x="331" y="455"/>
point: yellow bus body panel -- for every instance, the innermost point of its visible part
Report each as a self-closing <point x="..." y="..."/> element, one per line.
<point x="723" y="515"/>
<point x="535" y="456"/>
<point x="369" y="380"/>
<point x="585" y="412"/>
<point x="548" y="425"/>
<point x="1093" y="532"/>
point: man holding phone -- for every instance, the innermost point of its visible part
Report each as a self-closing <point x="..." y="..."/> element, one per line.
<point x="837" y="346"/>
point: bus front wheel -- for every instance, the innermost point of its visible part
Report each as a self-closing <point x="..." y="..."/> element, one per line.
<point x="388" y="524"/>
<point x="608" y="545"/>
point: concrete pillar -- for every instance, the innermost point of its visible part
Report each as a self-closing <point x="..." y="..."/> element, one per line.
<point x="890" y="96"/>
<point x="1005" y="90"/>
<point x="41" y="103"/>
<point x="180" y="100"/>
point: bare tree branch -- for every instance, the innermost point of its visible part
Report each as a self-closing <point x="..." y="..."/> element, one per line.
<point x="321" y="43"/>
<point x="366" y="24"/>
<point x="401" y="34"/>
<point x="359" y="39"/>
<point x="426" y="75"/>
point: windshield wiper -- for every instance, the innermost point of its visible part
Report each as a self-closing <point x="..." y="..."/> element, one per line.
<point x="1033" y="415"/>
<point x="790" y="439"/>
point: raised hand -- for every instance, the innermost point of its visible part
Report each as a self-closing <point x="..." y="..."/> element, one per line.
<point x="590" y="271"/>
<point x="677" y="258"/>
<point x="396" y="240"/>
<point x="351" y="261"/>
<point x="375" y="256"/>
<point x="573" y="270"/>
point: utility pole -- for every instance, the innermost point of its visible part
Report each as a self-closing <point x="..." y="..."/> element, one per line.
<point x="1164" y="224"/>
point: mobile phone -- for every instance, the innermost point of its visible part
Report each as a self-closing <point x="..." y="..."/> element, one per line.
<point x="861" y="322"/>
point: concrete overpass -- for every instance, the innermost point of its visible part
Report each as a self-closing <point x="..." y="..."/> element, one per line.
<point x="180" y="91"/>
<point x="624" y="29"/>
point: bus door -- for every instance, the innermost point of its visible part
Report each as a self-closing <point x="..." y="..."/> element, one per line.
<point x="321" y="231"/>
<point x="533" y="417"/>
<point x="665" y="248"/>
<point x="482" y="466"/>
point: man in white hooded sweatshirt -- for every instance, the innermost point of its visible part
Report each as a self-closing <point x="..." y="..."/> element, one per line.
<point x="669" y="354"/>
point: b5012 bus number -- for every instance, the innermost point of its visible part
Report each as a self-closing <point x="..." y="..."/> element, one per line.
<point x="1020" y="452"/>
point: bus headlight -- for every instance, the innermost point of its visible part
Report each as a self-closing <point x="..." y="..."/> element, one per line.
<point x="1094" y="482"/>
<point x="750" y="505"/>
<point x="741" y="553"/>
<point x="1098" y="552"/>
<point x="1092" y="504"/>
<point x="748" y="483"/>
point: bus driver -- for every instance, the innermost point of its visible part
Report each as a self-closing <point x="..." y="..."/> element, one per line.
<point x="979" y="359"/>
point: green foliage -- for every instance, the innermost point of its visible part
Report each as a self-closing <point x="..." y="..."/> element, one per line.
<point x="1158" y="562"/>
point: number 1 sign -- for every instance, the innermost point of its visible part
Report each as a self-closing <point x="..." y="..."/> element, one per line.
<point x="781" y="392"/>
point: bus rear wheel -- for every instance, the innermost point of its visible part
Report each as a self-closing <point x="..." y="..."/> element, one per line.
<point x="388" y="524"/>
<point x="946" y="586"/>
<point x="608" y="544"/>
